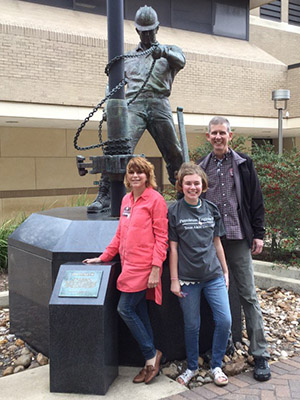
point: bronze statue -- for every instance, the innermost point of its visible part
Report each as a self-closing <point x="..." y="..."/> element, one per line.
<point x="151" y="109"/>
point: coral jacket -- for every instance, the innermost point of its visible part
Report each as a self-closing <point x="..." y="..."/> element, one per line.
<point x="141" y="240"/>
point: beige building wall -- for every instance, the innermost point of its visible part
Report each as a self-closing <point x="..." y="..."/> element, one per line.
<point x="278" y="38"/>
<point x="38" y="170"/>
<point x="294" y="86"/>
<point x="279" y="43"/>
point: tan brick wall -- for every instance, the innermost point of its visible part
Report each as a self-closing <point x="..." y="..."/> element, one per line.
<point x="294" y="86"/>
<point x="56" y="68"/>
<point x="220" y="85"/>
<point x="49" y="67"/>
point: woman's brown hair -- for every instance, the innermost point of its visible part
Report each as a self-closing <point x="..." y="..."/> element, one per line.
<point x="191" y="168"/>
<point x="140" y="164"/>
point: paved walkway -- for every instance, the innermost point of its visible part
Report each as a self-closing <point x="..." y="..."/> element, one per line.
<point x="285" y="384"/>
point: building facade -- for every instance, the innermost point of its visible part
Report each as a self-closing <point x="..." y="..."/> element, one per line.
<point x="52" y="75"/>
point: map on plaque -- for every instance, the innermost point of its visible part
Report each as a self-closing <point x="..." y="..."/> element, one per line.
<point x="80" y="284"/>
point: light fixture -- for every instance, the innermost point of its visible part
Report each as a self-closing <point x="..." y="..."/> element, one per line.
<point x="280" y="98"/>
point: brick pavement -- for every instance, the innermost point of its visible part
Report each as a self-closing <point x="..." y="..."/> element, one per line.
<point x="284" y="384"/>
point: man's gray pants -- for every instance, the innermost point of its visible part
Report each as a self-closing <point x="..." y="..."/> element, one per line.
<point x="239" y="260"/>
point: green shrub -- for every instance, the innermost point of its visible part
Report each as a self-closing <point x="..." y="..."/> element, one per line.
<point x="7" y="229"/>
<point x="279" y="177"/>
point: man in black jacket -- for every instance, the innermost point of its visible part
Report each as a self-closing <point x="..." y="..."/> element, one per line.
<point x="235" y="189"/>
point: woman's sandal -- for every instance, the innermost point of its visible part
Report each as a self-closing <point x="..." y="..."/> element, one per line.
<point x="220" y="379"/>
<point x="184" y="378"/>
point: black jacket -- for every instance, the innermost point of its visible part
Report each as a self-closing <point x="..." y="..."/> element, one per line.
<point x="251" y="209"/>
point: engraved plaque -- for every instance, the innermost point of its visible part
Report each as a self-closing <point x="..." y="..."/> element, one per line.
<point x="81" y="284"/>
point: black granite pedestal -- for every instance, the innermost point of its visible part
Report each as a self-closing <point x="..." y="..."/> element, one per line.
<point x="49" y="239"/>
<point x="36" y="249"/>
<point x="83" y="329"/>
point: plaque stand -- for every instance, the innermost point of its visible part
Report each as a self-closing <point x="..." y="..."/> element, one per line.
<point x="84" y="329"/>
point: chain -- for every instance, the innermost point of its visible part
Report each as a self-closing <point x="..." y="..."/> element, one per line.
<point x="95" y="109"/>
<point x="121" y="84"/>
<point x="129" y="55"/>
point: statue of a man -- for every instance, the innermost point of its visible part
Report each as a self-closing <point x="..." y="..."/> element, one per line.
<point x="151" y="110"/>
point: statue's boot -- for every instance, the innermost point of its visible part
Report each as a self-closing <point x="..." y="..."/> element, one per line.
<point x="102" y="201"/>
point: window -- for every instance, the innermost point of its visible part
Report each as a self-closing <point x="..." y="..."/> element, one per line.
<point x="294" y="12"/>
<point x="271" y="11"/>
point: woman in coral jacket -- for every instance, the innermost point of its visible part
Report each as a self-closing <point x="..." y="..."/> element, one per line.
<point x="141" y="240"/>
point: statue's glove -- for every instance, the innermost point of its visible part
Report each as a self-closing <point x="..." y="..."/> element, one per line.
<point x="159" y="52"/>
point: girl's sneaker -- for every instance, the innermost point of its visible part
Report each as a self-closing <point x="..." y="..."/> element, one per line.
<point x="184" y="378"/>
<point x="220" y="379"/>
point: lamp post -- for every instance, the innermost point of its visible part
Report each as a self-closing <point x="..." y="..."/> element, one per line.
<point x="280" y="98"/>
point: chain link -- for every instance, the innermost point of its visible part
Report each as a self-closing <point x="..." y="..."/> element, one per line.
<point x="121" y="84"/>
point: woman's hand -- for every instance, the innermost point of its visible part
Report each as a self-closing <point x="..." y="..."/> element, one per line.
<point x="176" y="288"/>
<point x="226" y="277"/>
<point x="95" y="260"/>
<point x="153" y="279"/>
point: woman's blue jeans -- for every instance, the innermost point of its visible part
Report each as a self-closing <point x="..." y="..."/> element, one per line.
<point x="133" y="310"/>
<point x="216" y="294"/>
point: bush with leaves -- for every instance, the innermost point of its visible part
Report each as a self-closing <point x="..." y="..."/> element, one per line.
<point x="7" y="229"/>
<point x="279" y="176"/>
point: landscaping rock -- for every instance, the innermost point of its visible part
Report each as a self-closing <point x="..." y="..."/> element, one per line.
<point x="19" y="368"/>
<point x="41" y="359"/>
<point x="23" y="360"/>
<point x="8" y="371"/>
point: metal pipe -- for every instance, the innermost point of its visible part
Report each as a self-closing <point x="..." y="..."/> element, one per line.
<point x="115" y="36"/>
<point x="183" y="138"/>
<point x="117" y="116"/>
<point x="280" y="136"/>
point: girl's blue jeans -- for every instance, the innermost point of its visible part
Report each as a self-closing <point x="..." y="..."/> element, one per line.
<point x="133" y="310"/>
<point x="216" y="295"/>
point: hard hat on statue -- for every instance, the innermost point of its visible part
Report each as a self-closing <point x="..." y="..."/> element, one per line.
<point x="146" y="19"/>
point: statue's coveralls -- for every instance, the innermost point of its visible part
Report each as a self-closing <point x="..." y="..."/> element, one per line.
<point x="151" y="110"/>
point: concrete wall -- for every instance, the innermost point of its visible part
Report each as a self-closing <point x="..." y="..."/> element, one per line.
<point x="278" y="38"/>
<point x="273" y="38"/>
<point x="294" y="86"/>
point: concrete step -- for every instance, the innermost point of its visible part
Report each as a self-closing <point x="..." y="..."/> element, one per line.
<point x="4" y="299"/>
<point x="273" y="269"/>
<point x="269" y="275"/>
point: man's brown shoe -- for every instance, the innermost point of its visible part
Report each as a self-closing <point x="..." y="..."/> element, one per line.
<point x="140" y="378"/>
<point x="153" y="370"/>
